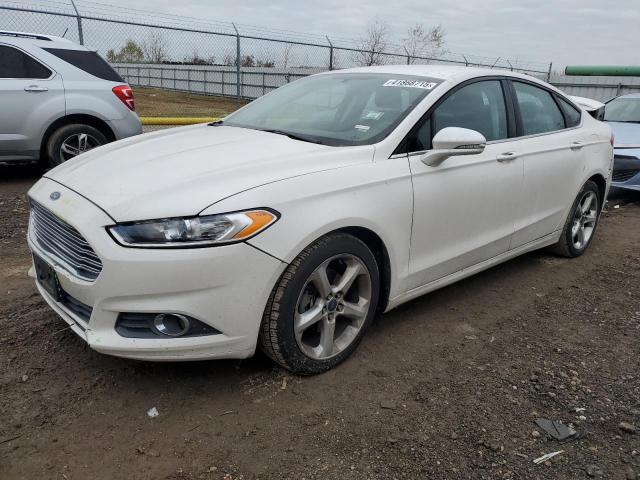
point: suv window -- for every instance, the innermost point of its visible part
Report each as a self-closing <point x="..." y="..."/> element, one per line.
<point x="572" y="115"/>
<point x="17" y="64"/>
<point x="479" y="106"/>
<point x="538" y="110"/>
<point x="87" y="61"/>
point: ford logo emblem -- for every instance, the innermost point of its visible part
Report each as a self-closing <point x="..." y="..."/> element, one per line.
<point x="54" y="195"/>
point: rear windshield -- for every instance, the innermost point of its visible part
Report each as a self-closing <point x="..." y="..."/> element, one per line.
<point x="623" y="109"/>
<point x="87" y="61"/>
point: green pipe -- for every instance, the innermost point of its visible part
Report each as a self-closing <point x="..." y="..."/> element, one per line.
<point x="603" y="70"/>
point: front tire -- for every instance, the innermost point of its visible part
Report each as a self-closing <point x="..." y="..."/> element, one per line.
<point x="580" y="226"/>
<point x="71" y="140"/>
<point x="322" y="305"/>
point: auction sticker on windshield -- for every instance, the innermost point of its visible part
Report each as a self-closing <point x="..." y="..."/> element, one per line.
<point x="410" y="84"/>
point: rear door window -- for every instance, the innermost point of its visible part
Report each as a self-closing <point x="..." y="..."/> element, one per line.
<point x="571" y="114"/>
<point x="17" y="64"/>
<point x="538" y="110"/>
<point x="88" y="61"/>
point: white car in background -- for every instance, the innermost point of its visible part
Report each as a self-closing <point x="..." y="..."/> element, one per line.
<point x="292" y="222"/>
<point x="58" y="99"/>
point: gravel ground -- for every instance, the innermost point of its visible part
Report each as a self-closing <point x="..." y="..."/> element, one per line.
<point x="447" y="386"/>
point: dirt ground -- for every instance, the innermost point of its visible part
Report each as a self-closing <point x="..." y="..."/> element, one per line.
<point x="445" y="387"/>
<point x="153" y="102"/>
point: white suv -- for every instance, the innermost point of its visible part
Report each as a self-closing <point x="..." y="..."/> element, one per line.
<point x="58" y="99"/>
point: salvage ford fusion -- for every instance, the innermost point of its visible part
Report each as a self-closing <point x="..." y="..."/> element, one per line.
<point x="290" y="223"/>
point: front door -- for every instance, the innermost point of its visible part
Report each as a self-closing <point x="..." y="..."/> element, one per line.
<point x="465" y="208"/>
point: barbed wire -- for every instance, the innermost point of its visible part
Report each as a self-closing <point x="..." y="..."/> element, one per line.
<point x="125" y="14"/>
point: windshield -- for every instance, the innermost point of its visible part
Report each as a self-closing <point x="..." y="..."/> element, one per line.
<point x="623" y="110"/>
<point x="336" y="109"/>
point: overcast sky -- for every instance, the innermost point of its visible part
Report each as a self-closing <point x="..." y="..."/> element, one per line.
<point x="562" y="31"/>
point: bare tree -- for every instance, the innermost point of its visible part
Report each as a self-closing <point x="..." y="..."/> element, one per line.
<point x="229" y="59"/>
<point x="373" y="43"/>
<point x="425" y="43"/>
<point x="155" y="48"/>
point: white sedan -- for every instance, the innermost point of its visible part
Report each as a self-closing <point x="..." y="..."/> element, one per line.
<point x="291" y="223"/>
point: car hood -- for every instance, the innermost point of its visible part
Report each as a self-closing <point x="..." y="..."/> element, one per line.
<point x="182" y="171"/>
<point x="627" y="135"/>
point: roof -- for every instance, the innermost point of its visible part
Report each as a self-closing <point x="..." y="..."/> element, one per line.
<point x="444" y="72"/>
<point x="37" y="38"/>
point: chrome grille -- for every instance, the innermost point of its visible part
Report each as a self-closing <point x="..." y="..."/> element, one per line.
<point x="63" y="242"/>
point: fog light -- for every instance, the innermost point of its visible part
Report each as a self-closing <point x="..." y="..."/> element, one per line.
<point x="171" y="324"/>
<point x="161" y="325"/>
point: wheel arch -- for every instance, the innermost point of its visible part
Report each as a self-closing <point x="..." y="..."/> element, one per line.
<point x="373" y="241"/>
<point x="80" y="118"/>
<point x="600" y="181"/>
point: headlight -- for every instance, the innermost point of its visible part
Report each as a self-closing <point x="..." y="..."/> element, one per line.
<point x="193" y="231"/>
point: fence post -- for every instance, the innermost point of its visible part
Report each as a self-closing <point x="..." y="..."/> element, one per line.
<point x="79" y="18"/>
<point x="408" y="55"/>
<point x="238" y="60"/>
<point x="330" y="53"/>
<point x="549" y="72"/>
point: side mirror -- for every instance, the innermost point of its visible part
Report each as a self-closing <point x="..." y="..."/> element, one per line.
<point x="452" y="141"/>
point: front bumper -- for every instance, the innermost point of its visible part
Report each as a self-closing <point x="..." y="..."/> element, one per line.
<point x="226" y="287"/>
<point x="626" y="170"/>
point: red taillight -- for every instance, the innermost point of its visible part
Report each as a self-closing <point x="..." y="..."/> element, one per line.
<point x="613" y="139"/>
<point x="125" y="94"/>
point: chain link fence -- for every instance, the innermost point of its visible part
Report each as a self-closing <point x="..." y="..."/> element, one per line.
<point x="188" y="54"/>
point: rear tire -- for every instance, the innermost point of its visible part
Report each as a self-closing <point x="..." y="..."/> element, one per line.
<point x="580" y="226"/>
<point x="70" y="140"/>
<point x="322" y="305"/>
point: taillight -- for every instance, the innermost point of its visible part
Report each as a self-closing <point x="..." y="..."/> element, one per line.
<point x="125" y="94"/>
<point x="613" y="139"/>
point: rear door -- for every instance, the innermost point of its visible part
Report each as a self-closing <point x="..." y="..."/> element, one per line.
<point x="31" y="97"/>
<point x="551" y="147"/>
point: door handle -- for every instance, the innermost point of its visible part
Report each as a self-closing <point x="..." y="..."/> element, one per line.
<point x="577" y="145"/>
<point x="507" y="156"/>
<point x="35" y="89"/>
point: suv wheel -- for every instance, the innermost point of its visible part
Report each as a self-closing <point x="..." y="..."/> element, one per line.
<point x="71" y="140"/>
<point x="322" y="305"/>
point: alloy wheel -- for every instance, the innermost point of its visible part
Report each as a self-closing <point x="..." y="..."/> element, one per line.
<point x="332" y="306"/>
<point x="76" y="144"/>
<point x="585" y="217"/>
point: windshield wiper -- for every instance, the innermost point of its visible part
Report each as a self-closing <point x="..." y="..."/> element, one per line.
<point x="293" y="136"/>
<point x="217" y="123"/>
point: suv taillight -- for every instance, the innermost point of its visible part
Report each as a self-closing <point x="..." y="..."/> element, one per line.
<point x="612" y="140"/>
<point x="125" y="94"/>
